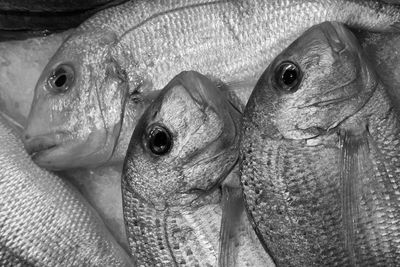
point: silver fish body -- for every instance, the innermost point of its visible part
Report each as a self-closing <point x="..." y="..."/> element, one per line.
<point x="184" y="146"/>
<point x="95" y="88"/>
<point x="43" y="220"/>
<point x="320" y="156"/>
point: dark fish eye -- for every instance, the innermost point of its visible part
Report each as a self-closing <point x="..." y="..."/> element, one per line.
<point x="61" y="78"/>
<point x="159" y="139"/>
<point x="288" y="76"/>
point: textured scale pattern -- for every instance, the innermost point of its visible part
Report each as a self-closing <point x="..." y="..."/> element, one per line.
<point x="331" y="199"/>
<point x="185" y="236"/>
<point x="294" y="192"/>
<point x="43" y="220"/>
<point x="211" y="37"/>
<point x="181" y="236"/>
<point x="172" y="202"/>
<point x="152" y="41"/>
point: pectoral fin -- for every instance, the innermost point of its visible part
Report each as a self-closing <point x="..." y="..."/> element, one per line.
<point x="232" y="208"/>
<point x="355" y="163"/>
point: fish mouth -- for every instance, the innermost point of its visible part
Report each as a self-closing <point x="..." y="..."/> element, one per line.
<point x="38" y="145"/>
<point x="46" y="149"/>
<point x="61" y="150"/>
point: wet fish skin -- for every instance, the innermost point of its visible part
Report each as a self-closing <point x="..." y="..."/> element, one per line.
<point x="383" y="50"/>
<point x="151" y="42"/>
<point x="43" y="220"/>
<point x="171" y="202"/>
<point x="320" y="163"/>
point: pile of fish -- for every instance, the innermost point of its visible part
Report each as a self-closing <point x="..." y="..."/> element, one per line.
<point x="210" y="133"/>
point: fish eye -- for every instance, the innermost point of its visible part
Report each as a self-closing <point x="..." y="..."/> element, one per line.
<point x="159" y="139"/>
<point x="61" y="79"/>
<point x="288" y="76"/>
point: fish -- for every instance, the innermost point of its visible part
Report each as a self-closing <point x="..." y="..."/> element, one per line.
<point x="383" y="50"/>
<point x="319" y="149"/>
<point x="21" y="63"/>
<point x="44" y="221"/>
<point x="182" y="151"/>
<point x="97" y="85"/>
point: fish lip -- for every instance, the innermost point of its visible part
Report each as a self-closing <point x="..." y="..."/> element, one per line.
<point x="41" y="145"/>
<point x="46" y="150"/>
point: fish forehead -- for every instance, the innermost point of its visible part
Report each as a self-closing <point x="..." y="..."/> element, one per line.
<point x="181" y="109"/>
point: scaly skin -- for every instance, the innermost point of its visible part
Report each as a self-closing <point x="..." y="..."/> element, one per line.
<point x="172" y="201"/>
<point x="315" y="196"/>
<point x="140" y="45"/>
<point x="43" y="220"/>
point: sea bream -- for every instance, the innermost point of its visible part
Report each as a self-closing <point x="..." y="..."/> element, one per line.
<point x="320" y="149"/>
<point x="91" y="94"/>
<point x="182" y="206"/>
<point x="44" y="221"/>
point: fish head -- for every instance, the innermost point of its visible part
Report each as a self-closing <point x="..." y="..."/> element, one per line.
<point x="76" y="112"/>
<point x="184" y="145"/>
<point x="316" y="83"/>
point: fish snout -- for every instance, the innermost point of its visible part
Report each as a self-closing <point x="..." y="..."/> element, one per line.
<point x="35" y="144"/>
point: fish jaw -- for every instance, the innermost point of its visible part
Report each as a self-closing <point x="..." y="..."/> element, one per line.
<point x="59" y="152"/>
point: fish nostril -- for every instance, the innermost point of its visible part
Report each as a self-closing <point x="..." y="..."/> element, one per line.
<point x="27" y="137"/>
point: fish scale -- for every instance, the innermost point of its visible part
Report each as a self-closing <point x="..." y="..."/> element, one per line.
<point x="321" y="187"/>
<point x="152" y="41"/>
<point x="173" y="236"/>
<point x="287" y="208"/>
<point x="174" y="208"/>
<point x="43" y="221"/>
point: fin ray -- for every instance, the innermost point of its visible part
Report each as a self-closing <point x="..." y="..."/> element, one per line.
<point x="354" y="165"/>
<point x="232" y="208"/>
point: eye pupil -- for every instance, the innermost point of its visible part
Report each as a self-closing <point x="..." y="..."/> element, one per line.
<point x="288" y="76"/>
<point x="60" y="80"/>
<point x="159" y="140"/>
